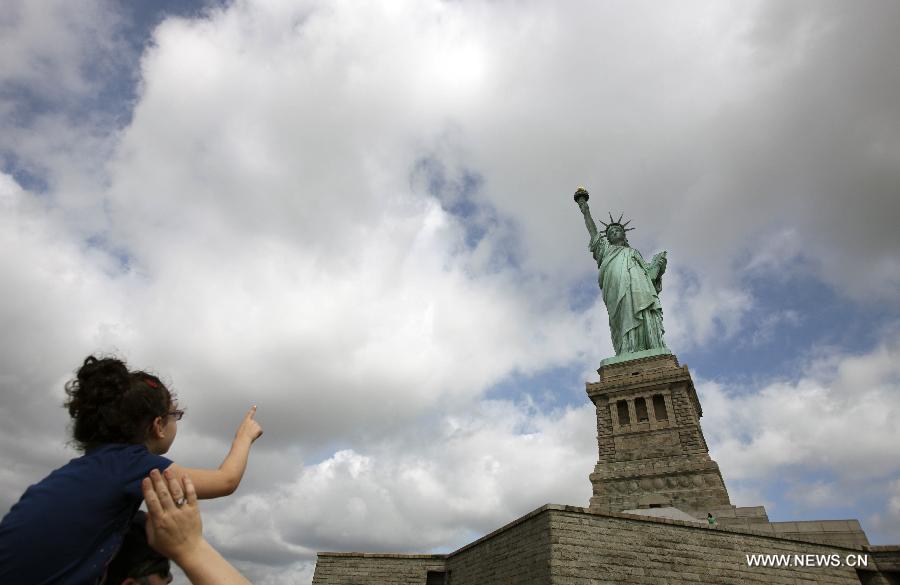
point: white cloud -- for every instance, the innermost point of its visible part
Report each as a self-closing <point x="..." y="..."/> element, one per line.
<point x="295" y="574"/>
<point x="894" y="503"/>
<point x="836" y="420"/>
<point x="700" y="312"/>
<point x="840" y="421"/>
<point x="56" y="59"/>
<point x="430" y="490"/>
<point x="776" y="253"/>
<point x="886" y="521"/>
<point x="817" y="494"/>
<point x="57" y="303"/>
<point x="772" y="323"/>
<point x="238" y="108"/>
<point x="48" y="45"/>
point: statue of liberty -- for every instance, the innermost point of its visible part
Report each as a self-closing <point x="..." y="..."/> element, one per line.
<point x="630" y="287"/>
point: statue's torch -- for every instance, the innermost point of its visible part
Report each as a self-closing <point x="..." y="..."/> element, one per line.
<point x="581" y="198"/>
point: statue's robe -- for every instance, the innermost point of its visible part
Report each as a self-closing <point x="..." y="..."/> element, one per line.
<point x="630" y="289"/>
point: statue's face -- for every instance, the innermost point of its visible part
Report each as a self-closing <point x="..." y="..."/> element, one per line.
<point x="615" y="234"/>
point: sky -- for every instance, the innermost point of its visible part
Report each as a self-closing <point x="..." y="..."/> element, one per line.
<point x="359" y="216"/>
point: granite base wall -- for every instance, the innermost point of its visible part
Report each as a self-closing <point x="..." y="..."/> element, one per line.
<point x="591" y="549"/>
<point x="517" y="554"/>
<point x="372" y="568"/>
<point x="566" y="545"/>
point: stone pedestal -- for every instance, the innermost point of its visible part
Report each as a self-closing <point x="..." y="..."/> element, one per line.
<point x="652" y="450"/>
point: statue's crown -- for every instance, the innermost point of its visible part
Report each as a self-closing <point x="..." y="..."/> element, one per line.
<point x="617" y="222"/>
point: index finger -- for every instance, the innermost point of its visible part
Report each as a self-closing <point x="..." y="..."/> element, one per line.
<point x="161" y="490"/>
<point x="154" y="508"/>
<point x="251" y="412"/>
<point x="189" y="491"/>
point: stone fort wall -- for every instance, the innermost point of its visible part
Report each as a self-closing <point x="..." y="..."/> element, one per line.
<point x="589" y="549"/>
<point x="385" y="569"/>
<point x="516" y="553"/>
<point x="566" y="545"/>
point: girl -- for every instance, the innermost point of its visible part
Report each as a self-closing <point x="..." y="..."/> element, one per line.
<point x="67" y="527"/>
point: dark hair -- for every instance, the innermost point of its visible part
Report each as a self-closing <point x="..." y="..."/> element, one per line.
<point x="135" y="558"/>
<point x="109" y="404"/>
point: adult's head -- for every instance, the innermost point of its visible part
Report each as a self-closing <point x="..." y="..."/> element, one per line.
<point x="136" y="563"/>
<point x="110" y="404"/>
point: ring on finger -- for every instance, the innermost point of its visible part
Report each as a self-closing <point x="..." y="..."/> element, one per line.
<point x="180" y="501"/>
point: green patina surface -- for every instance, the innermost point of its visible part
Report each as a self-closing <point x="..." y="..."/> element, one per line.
<point x="630" y="287"/>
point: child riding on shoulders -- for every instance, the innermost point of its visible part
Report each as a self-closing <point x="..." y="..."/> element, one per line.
<point x="66" y="528"/>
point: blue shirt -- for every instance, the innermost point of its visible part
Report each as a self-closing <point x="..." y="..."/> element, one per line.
<point x="66" y="528"/>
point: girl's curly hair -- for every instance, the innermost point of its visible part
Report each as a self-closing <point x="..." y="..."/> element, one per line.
<point x="109" y="404"/>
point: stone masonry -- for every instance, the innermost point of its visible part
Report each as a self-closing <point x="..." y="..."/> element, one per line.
<point x="652" y="452"/>
<point x="567" y="545"/>
<point x="384" y="569"/>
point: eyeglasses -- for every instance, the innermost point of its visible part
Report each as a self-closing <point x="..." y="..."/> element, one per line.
<point x="177" y="414"/>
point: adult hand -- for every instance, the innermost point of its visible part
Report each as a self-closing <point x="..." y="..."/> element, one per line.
<point x="249" y="428"/>
<point x="175" y="530"/>
<point x="174" y="527"/>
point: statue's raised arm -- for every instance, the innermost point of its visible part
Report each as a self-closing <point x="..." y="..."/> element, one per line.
<point x="629" y="285"/>
<point x="581" y="198"/>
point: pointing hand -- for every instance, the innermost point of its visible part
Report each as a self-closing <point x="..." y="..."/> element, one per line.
<point x="249" y="427"/>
